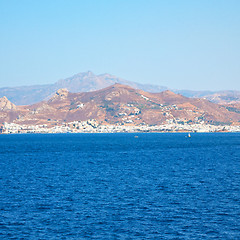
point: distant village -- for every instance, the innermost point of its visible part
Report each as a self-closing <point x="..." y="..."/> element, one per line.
<point x="92" y="126"/>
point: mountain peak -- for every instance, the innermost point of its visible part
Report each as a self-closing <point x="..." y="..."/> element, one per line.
<point x="61" y="93"/>
<point x="5" y="104"/>
<point x="4" y="98"/>
<point x="86" y="74"/>
<point x="171" y="94"/>
<point x="88" y="81"/>
<point x="119" y="85"/>
<point x="107" y="75"/>
<point x="168" y="92"/>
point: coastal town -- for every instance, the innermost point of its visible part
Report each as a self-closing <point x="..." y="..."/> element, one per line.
<point x="118" y="108"/>
<point x="92" y="126"/>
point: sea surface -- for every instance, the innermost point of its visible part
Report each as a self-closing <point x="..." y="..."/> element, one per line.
<point x="118" y="186"/>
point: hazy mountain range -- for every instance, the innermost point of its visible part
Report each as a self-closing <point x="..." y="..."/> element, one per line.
<point x="88" y="81"/>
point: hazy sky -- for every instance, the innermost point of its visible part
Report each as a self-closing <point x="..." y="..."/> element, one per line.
<point x="177" y="43"/>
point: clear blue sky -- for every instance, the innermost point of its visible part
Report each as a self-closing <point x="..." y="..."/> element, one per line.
<point x="182" y="44"/>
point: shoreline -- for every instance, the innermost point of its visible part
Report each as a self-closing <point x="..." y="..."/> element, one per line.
<point x="93" y="127"/>
<point x="166" y="132"/>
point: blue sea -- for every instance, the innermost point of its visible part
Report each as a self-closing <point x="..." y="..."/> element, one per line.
<point x="118" y="186"/>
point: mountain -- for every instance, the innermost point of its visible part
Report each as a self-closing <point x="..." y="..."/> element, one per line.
<point x="28" y="94"/>
<point x="6" y="105"/>
<point x="220" y="97"/>
<point x="81" y="82"/>
<point x="120" y="104"/>
<point x="8" y="111"/>
<point x="88" y="81"/>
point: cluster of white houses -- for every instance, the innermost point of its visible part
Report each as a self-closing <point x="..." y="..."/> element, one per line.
<point x="92" y="126"/>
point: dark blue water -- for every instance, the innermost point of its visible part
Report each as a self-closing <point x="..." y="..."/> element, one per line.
<point x="115" y="186"/>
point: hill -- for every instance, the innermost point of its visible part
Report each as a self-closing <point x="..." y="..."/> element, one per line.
<point x="120" y="104"/>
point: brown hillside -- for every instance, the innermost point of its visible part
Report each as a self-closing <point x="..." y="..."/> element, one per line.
<point x="119" y="104"/>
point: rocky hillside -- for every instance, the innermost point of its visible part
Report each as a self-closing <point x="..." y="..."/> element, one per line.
<point x="120" y="104"/>
<point x="8" y="111"/>
<point x="6" y="105"/>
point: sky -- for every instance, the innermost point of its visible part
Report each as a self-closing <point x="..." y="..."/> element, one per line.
<point x="183" y="44"/>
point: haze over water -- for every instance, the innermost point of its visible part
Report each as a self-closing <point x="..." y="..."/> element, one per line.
<point x="116" y="186"/>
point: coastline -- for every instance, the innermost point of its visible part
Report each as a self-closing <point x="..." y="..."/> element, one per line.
<point x="84" y="127"/>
